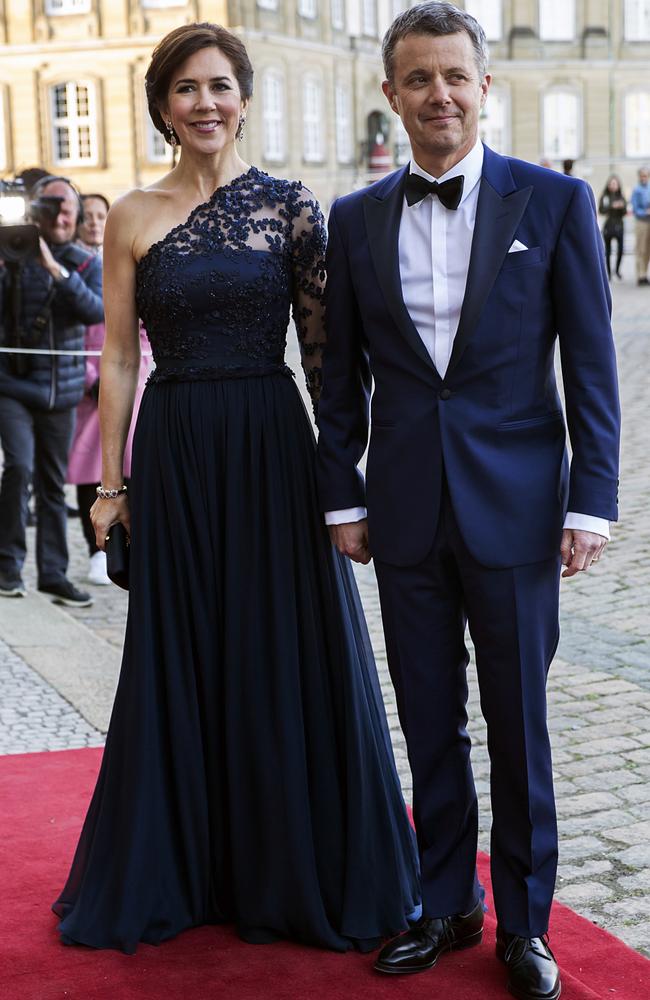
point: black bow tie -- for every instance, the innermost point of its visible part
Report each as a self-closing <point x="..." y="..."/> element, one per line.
<point x="449" y="192"/>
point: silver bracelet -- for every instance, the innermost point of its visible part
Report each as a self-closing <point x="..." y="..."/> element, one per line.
<point x="110" y="494"/>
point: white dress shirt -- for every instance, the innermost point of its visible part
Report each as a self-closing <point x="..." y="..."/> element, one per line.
<point x="434" y="252"/>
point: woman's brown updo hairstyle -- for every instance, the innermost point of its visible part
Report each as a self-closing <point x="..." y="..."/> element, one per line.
<point x="181" y="43"/>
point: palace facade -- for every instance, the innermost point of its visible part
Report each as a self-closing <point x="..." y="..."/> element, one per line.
<point x="571" y="80"/>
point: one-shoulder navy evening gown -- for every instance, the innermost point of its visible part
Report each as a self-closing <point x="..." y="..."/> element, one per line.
<point x="248" y="775"/>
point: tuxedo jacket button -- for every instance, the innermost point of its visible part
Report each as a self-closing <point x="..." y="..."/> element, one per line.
<point x="445" y="393"/>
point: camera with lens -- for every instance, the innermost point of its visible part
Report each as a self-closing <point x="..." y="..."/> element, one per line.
<point x="19" y="242"/>
<point x="19" y="237"/>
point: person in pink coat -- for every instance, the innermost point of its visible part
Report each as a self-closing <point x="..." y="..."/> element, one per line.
<point x="85" y="460"/>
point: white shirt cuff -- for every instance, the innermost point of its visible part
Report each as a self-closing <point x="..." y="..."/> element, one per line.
<point x="586" y="522"/>
<point x="345" y="516"/>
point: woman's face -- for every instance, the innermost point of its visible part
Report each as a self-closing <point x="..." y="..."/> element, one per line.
<point x="204" y="102"/>
<point x="613" y="186"/>
<point x="91" y="230"/>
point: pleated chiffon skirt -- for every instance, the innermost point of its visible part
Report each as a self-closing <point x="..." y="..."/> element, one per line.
<point x="248" y="775"/>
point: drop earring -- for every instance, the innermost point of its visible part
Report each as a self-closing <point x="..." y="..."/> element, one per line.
<point x="241" y="128"/>
<point x="173" y="141"/>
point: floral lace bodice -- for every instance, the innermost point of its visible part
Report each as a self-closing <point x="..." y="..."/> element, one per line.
<point x="215" y="293"/>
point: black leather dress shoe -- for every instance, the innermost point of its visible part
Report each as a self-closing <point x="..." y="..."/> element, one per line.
<point x="420" y="947"/>
<point x="533" y="973"/>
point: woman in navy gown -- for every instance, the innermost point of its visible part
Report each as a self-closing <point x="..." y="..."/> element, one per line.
<point x="248" y="775"/>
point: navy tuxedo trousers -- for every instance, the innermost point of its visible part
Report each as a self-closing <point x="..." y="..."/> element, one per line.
<point x="513" y="620"/>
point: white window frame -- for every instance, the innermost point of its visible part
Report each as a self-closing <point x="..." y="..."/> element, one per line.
<point x="4" y="152"/>
<point x="489" y="14"/>
<point x="338" y="14"/>
<point x="369" y="18"/>
<point x="308" y="9"/>
<point x="640" y="129"/>
<point x="313" y="145"/>
<point x="402" y="143"/>
<point x="155" y="153"/>
<point x="499" y="96"/>
<point x="61" y="8"/>
<point x="343" y="122"/>
<point x="557" y="20"/>
<point x="636" y="21"/>
<point x="161" y="4"/>
<point x="274" y="98"/>
<point x="551" y="116"/>
<point x="74" y="122"/>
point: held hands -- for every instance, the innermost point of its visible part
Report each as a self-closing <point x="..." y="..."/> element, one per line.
<point x="580" y="549"/>
<point x="351" y="540"/>
<point x="105" y="513"/>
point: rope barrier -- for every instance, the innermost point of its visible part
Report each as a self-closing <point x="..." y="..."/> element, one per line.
<point x="45" y="350"/>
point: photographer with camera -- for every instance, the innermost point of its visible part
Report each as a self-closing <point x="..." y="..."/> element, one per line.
<point x="46" y="302"/>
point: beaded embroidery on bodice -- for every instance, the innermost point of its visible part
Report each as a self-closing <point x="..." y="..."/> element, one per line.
<point x="215" y="292"/>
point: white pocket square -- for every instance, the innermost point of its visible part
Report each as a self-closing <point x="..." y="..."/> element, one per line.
<point x="517" y="247"/>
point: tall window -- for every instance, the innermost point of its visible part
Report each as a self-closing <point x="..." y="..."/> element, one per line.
<point x="54" y="7"/>
<point x="153" y="4"/>
<point x="369" y="17"/>
<point x="637" y="20"/>
<point x="273" y="114"/>
<point x="489" y="15"/>
<point x="402" y="143"/>
<point x="74" y="124"/>
<point x="343" y="110"/>
<point x="337" y="13"/>
<point x="562" y="131"/>
<point x="308" y="8"/>
<point x="268" y="4"/>
<point x="157" y="150"/>
<point x="557" y="20"/>
<point x="312" y="117"/>
<point x="494" y="123"/>
<point x="3" y="132"/>
<point x="637" y="123"/>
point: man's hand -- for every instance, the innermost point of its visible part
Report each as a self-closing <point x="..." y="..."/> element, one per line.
<point x="580" y="549"/>
<point x="47" y="260"/>
<point x="351" y="540"/>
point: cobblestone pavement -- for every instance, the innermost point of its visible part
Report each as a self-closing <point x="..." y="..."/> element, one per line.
<point x="33" y="716"/>
<point x="599" y="689"/>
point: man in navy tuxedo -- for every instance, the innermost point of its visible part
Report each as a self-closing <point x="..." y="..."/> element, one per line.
<point x="449" y="283"/>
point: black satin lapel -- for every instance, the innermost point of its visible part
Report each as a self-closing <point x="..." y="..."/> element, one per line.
<point x="497" y="220"/>
<point x="382" y="225"/>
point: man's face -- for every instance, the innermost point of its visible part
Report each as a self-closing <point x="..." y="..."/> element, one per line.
<point x="438" y="94"/>
<point x="643" y="176"/>
<point x="63" y="228"/>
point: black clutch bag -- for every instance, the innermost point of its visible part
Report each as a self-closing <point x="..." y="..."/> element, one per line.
<point x="117" y="555"/>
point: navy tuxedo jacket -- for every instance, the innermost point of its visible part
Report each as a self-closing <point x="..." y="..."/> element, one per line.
<point x="495" y="421"/>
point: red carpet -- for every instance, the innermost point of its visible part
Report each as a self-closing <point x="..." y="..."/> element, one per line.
<point x="43" y="799"/>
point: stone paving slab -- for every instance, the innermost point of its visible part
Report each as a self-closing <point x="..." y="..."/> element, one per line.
<point x="78" y="664"/>
<point x="33" y="715"/>
<point x="599" y="686"/>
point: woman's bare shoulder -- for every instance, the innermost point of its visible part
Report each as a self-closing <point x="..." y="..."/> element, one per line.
<point x="138" y="216"/>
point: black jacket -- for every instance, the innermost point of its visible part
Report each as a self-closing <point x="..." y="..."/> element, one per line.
<point x="51" y="382"/>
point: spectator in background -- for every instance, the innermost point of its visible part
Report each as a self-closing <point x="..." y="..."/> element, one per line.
<point x="85" y="462"/>
<point x="613" y="206"/>
<point x="90" y="232"/>
<point x="60" y="293"/>
<point x="567" y="168"/>
<point x="30" y="177"/>
<point x="641" y="210"/>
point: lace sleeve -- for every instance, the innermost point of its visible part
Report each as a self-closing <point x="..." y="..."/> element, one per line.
<point x="308" y="242"/>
